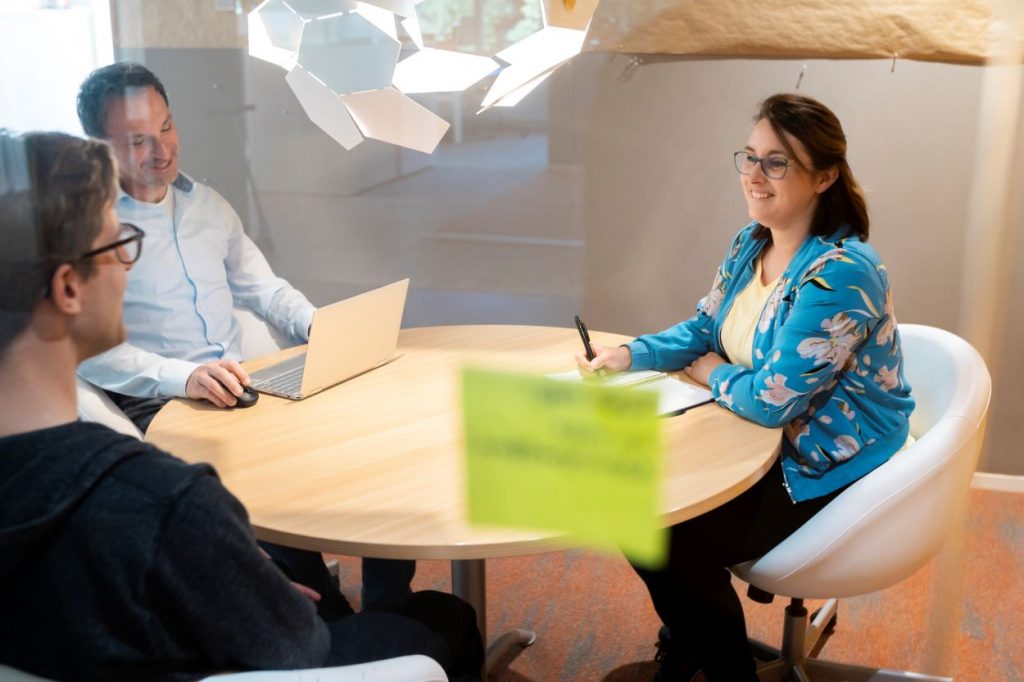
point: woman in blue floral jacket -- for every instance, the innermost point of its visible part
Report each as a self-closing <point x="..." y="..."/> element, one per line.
<point x="798" y="331"/>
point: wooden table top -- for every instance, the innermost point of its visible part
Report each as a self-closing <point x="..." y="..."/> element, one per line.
<point x="374" y="466"/>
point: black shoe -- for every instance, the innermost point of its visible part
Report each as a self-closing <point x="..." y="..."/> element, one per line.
<point x="675" y="666"/>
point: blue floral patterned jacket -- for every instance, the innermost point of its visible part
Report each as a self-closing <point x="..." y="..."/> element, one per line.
<point x="828" y="365"/>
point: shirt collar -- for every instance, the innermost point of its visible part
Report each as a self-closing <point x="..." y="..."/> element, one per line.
<point x="182" y="183"/>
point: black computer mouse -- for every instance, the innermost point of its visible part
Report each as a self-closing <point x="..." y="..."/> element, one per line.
<point x="248" y="398"/>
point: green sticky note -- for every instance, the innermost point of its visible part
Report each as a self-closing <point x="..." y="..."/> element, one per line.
<point x="578" y="458"/>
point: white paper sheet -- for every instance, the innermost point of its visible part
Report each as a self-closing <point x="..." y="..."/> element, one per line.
<point x="674" y="396"/>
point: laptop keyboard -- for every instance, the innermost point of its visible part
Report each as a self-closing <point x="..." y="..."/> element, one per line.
<point x="284" y="378"/>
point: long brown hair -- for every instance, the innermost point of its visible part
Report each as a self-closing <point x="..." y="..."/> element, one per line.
<point x="821" y="134"/>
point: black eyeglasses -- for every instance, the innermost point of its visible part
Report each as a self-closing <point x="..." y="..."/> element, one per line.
<point x="127" y="248"/>
<point x="774" y="166"/>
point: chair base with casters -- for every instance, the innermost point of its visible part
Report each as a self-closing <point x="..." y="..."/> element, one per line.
<point x="887" y="525"/>
<point x="803" y="636"/>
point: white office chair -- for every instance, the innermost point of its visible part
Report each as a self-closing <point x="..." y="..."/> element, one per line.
<point x="400" y="669"/>
<point x="258" y="338"/>
<point x="887" y="525"/>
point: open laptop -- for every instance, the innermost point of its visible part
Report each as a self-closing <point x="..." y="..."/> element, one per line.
<point x="348" y="338"/>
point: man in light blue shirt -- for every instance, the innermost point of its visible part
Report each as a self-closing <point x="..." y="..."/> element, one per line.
<point x="198" y="264"/>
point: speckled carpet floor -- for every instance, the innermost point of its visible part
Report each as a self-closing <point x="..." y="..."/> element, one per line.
<point x="962" y="615"/>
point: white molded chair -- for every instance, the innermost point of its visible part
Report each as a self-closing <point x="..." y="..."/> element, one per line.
<point x="887" y="525"/>
<point x="400" y="669"/>
<point x="258" y="338"/>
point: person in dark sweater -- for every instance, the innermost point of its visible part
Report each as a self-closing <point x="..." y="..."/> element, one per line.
<point x="117" y="560"/>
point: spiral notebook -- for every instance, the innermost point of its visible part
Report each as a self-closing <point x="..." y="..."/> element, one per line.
<point x="674" y="396"/>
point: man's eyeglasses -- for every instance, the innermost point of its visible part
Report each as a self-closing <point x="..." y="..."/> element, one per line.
<point x="773" y="166"/>
<point x="127" y="248"/>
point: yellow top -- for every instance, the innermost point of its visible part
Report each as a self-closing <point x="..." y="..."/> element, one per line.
<point x="741" y="322"/>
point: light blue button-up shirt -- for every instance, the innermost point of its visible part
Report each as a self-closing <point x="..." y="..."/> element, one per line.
<point x="195" y="268"/>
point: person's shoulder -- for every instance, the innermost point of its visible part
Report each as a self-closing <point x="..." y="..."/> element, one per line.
<point x="195" y="192"/>
<point x="845" y="267"/>
<point x="154" y="473"/>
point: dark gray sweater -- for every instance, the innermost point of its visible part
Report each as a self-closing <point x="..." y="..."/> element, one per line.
<point x="119" y="561"/>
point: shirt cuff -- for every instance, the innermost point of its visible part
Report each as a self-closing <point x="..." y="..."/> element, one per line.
<point x="303" y="323"/>
<point x="642" y="356"/>
<point x="174" y="375"/>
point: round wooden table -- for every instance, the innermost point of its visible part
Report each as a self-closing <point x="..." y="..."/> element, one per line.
<point x="374" y="466"/>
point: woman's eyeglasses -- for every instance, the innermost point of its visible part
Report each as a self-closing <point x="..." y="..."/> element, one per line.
<point x="774" y="166"/>
<point x="127" y="248"/>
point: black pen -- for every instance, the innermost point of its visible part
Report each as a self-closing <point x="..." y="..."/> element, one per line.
<point x="582" y="329"/>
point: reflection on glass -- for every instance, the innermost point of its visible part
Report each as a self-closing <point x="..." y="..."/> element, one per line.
<point x="479" y="26"/>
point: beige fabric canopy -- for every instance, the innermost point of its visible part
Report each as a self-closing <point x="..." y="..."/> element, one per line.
<point x="956" y="31"/>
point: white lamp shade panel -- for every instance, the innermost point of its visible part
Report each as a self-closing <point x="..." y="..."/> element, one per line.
<point x="389" y="116"/>
<point x="516" y="96"/>
<point x="275" y="33"/>
<point x="314" y="9"/>
<point x="575" y="15"/>
<point x="411" y="25"/>
<point x="531" y="58"/>
<point x="545" y="48"/>
<point x="381" y="18"/>
<point x="349" y="53"/>
<point x="324" y="108"/>
<point x="431" y="70"/>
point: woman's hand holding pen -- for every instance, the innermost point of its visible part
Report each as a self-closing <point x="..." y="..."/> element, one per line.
<point x="610" y="359"/>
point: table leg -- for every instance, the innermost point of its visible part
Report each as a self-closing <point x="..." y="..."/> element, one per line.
<point x="469" y="581"/>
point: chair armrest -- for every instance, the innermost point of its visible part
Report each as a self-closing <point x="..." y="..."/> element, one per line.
<point x="95" y="406"/>
<point x="259" y="337"/>
<point x="400" y="669"/>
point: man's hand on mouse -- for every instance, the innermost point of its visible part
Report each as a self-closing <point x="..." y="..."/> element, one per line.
<point x="219" y="382"/>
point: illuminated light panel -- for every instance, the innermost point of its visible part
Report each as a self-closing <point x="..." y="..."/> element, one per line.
<point x="389" y="116"/>
<point x="532" y="57"/>
<point x="516" y="96"/>
<point x="314" y="9"/>
<point x="324" y="108"/>
<point x="349" y="53"/>
<point x="412" y="29"/>
<point x="275" y="33"/>
<point x="548" y="46"/>
<point x="381" y="18"/>
<point x="431" y="70"/>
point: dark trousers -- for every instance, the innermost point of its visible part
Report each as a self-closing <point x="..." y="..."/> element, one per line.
<point x="384" y="580"/>
<point x="434" y="624"/>
<point x="693" y="593"/>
